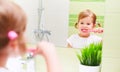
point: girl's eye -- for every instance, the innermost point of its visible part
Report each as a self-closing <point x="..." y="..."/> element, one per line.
<point x="81" y="23"/>
<point x="88" y="23"/>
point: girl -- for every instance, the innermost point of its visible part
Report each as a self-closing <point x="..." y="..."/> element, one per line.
<point x="12" y="27"/>
<point x="85" y="25"/>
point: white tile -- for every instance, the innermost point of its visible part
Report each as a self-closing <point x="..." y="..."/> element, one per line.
<point x="111" y="65"/>
<point x="112" y="6"/>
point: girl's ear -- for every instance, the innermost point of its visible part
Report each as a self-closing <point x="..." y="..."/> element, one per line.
<point x="13" y="44"/>
<point x="14" y="47"/>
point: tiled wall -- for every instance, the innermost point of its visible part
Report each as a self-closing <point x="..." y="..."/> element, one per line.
<point x="111" y="38"/>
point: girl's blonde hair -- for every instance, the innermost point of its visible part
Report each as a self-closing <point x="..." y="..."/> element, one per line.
<point x="86" y="13"/>
<point x="12" y="18"/>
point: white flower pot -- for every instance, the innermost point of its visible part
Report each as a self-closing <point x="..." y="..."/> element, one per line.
<point x="84" y="68"/>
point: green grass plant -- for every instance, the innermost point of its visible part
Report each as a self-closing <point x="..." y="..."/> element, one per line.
<point x="91" y="55"/>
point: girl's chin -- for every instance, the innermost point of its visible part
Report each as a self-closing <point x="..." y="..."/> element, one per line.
<point x="84" y="34"/>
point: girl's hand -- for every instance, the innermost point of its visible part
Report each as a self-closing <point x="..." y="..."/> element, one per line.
<point x="98" y="30"/>
<point x="45" y="48"/>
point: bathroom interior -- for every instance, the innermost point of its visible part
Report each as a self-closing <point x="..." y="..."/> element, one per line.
<point x="50" y="20"/>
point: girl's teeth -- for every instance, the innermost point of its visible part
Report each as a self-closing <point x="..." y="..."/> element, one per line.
<point x="84" y="30"/>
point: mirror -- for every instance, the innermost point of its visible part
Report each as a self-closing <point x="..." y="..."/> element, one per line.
<point x="54" y="21"/>
<point x="85" y="16"/>
<point x="79" y="10"/>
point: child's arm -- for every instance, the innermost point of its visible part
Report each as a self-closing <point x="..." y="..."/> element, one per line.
<point x="69" y="46"/>
<point x="47" y="50"/>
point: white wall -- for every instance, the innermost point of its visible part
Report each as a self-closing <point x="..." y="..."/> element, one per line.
<point x="30" y="8"/>
<point x="55" y="19"/>
<point x="111" y="38"/>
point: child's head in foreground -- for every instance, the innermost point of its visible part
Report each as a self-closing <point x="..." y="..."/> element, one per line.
<point x="12" y="19"/>
<point x="86" y="22"/>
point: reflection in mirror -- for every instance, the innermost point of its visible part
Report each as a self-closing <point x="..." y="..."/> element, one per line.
<point x="85" y="25"/>
<point x="86" y="20"/>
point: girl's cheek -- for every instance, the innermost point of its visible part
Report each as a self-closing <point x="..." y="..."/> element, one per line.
<point x="79" y="30"/>
<point x="91" y="26"/>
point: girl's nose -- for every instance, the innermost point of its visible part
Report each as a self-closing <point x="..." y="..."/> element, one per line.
<point x="85" y="25"/>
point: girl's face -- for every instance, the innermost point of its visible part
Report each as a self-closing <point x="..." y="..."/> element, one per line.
<point x="85" y="25"/>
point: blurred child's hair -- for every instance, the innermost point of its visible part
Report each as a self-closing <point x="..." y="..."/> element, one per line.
<point x="86" y="13"/>
<point x="12" y="18"/>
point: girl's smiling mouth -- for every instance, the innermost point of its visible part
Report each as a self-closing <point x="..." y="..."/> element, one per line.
<point x="84" y="30"/>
